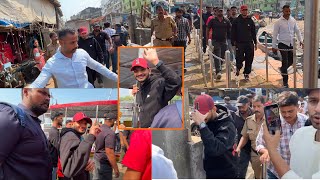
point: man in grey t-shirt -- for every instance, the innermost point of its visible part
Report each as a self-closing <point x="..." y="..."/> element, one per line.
<point x="104" y="156"/>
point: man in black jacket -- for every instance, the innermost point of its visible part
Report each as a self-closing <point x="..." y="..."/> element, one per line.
<point x="239" y="118"/>
<point x="75" y="149"/>
<point x="91" y="45"/>
<point x="221" y="31"/>
<point x="205" y="17"/>
<point x="243" y="35"/>
<point x="218" y="134"/>
<point x="54" y="139"/>
<point x="154" y="91"/>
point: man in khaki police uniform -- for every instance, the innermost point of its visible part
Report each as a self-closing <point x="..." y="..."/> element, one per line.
<point x="250" y="132"/>
<point x="164" y="27"/>
<point x="53" y="46"/>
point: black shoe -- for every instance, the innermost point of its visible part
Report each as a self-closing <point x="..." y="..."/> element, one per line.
<point x="246" y="77"/>
<point x="238" y="72"/>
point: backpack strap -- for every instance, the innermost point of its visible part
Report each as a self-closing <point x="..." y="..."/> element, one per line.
<point x="20" y="114"/>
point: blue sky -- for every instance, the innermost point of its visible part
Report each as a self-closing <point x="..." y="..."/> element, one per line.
<point x="63" y="96"/>
<point x="72" y="7"/>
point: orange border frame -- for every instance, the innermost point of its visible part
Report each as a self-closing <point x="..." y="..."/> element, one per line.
<point x="182" y="87"/>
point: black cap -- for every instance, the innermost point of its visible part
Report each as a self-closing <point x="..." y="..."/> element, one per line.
<point x="242" y="100"/>
<point x="96" y="25"/>
<point x="227" y="98"/>
<point x="249" y="96"/>
<point x="208" y="6"/>
<point x="114" y="35"/>
<point x="68" y="121"/>
<point x="110" y="116"/>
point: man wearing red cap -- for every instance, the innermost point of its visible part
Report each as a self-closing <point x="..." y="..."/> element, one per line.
<point x="91" y="45"/>
<point x="154" y="92"/>
<point x="75" y="150"/>
<point x="218" y="134"/>
<point x="243" y="36"/>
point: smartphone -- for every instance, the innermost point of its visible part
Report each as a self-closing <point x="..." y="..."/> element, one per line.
<point x="197" y="106"/>
<point x="272" y="116"/>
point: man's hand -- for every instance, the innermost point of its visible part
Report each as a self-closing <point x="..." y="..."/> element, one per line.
<point x="150" y="54"/>
<point x="90" y="166"/>
<point x="95" y="129"/>
<point x="275" y="50"/>
<point x="238" y="151"/>
<point x="264" y="158"/>
<point x="116" y="173"/>
<point x="302" y="45"/>
<point x="197" y="117"/>
<point x="272" y="141"/>
<point x="111" y="50"/>
<point x="135" y="90"/>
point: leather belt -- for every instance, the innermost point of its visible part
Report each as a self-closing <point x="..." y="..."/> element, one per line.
<point x="162" y="39"/>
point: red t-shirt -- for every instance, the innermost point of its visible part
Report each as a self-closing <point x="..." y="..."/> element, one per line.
<point x="138" y="156"/>
<point x="208" y="20"/>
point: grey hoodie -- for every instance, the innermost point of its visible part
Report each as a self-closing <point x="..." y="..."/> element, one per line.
<point x="75" y="153"/>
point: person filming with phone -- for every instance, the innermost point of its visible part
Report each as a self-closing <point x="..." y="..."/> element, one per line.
<point x="218" y="134"/>
<point x="304" y="146"/>
<point x="291" y="120"/>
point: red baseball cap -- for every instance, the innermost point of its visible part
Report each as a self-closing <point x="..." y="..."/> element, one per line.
<point x="83" y="30"/>
<point x="80" y="116"/>
<point x="244" y="7"/>
<point x="204" y="103"/>
<point x="139" y="62"/>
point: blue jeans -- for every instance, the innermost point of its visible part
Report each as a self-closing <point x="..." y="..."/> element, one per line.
<point x="114" y="59"/>
<point x="54" y="173"/>
<point x="270" y="175"/>
<point x="103" y="170"/>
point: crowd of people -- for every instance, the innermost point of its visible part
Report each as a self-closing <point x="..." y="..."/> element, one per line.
<point x="236" y="31"/>
<point x="234" y="136"/>
<point x="65" y="153"/>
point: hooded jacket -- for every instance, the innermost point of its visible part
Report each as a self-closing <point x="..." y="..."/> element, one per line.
<point x="155" y="93"/>
<point x="218" y="139"/>
<point x="75" y="153"/>
<point x="92" y="47"/>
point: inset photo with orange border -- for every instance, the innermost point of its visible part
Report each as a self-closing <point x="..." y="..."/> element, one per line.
<point x="151" y="88"/>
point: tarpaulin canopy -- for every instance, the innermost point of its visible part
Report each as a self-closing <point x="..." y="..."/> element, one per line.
<point x="89" y="108"/>
<point x="20" y="13"/>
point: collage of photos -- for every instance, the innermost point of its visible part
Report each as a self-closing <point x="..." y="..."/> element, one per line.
<point x="159" y="89"/>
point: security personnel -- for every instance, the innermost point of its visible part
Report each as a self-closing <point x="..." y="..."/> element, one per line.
<point x="250" y="132"/>
<point x="243" y="36"/>
<point x="164" y="27"/>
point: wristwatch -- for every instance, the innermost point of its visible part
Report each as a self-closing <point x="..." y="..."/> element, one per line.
<point x="202" y="125"/>
<point x="159" y="64"/>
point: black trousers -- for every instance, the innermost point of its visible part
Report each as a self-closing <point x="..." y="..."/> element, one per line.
<point x="245" y="52"/>
<point x="287" y="61"/>
<point x="184" y="45"/>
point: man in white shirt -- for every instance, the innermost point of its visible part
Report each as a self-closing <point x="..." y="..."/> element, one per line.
<point x="291" y="121"/>
<point x="283" y="33"/>
<point x="162" y="167"/>
<point x="304" y="146"/>
<point x="69" y="64"/>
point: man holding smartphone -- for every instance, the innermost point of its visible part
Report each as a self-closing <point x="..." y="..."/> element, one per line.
<point x="218" y="134"/>
<point x="304" y="146"/>
<point x="291" y="121"/>
<point x="250" y="132"/>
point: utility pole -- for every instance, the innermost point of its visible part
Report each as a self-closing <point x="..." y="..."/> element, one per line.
<point x="311" y="44"/>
